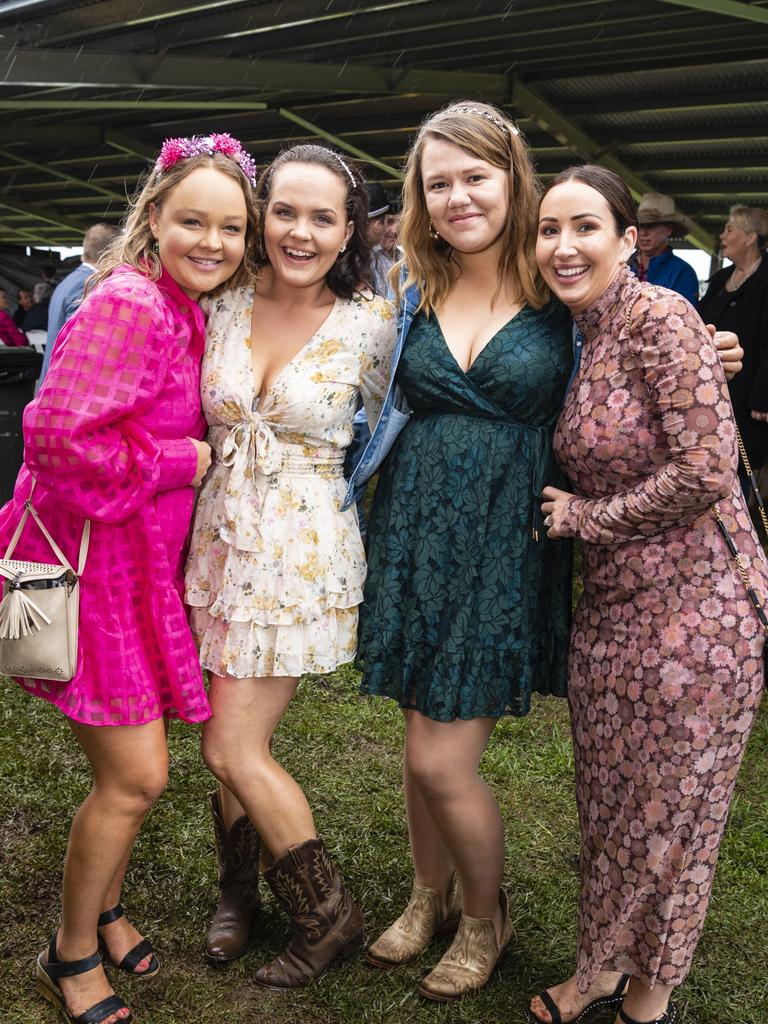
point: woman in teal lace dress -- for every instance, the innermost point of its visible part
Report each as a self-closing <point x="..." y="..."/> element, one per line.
<point x="467" y="603"/>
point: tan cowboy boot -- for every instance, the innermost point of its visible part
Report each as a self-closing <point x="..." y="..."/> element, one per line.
<point x="326" y="920"/>
<point x="239" y="900"/>
<point x="471" y="958"/>
<point x="426" y="916"/>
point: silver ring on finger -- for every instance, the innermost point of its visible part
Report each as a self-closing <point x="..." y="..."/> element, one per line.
<point x="548" y="521"/>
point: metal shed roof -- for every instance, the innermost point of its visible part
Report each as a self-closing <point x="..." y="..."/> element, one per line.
<point x="673" y="94"/>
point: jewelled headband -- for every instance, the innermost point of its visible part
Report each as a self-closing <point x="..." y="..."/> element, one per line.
<point x="175" y="150"/>
<point x="505" y="126"/>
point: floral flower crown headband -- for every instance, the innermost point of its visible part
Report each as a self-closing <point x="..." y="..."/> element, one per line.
<point x="175" y="150"/>
<point x="506" y="126"/>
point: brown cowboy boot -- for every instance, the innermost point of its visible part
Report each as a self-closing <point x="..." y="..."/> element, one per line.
<point x="428" y="914"/>
<point x="326" y="921"/>
<point x="239" y="900"/>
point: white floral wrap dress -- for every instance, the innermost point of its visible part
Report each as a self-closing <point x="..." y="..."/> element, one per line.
<point x="276" y="569"/>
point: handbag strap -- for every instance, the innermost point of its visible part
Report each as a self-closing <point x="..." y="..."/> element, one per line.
<point x="84" y="540"/>
<point x="752" y="481"/>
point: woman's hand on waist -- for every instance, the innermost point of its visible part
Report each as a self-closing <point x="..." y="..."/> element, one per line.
<point x="554" y="508"/>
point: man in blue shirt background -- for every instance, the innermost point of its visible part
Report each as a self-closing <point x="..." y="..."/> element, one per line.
<point x="658" y="219"/>
<point x="68" y="294"/>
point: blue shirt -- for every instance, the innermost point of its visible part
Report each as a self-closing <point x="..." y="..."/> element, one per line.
<point x="67" y="296"/>
<point x="670" y="271"/>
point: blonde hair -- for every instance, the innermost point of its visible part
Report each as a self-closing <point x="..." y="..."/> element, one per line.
<point x="135" y="245"/>
<point x="487" y="133"/>
<point x="751" y="218"/>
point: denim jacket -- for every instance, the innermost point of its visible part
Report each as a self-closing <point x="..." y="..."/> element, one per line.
<point x="395" y="411"/>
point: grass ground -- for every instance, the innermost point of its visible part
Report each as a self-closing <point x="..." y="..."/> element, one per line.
<point x="345" y="752"/>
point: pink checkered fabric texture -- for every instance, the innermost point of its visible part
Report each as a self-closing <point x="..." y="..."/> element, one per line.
<point x="106" y="439"/>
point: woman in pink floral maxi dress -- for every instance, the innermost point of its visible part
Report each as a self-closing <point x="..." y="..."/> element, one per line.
<point x="666" y="667"/>
<point x="114" y="437"/>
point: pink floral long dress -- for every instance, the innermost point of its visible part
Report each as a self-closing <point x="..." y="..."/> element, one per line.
<point x="666" y="666"/>
<point x="107" y="439"/>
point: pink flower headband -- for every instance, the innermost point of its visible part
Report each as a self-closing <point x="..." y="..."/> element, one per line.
<point x="220" y="142"/>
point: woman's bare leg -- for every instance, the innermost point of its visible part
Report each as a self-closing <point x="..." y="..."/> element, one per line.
<point x="130" y="771"/>
<point x="236" y="748"/>
<point x="442" y="761"/>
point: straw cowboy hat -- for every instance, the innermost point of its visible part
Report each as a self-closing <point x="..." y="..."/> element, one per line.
<point x="656" y="208"/>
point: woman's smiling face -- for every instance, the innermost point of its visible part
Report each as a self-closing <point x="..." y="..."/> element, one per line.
<point x="467" y="198"/>
<point x="305" y="223"/>
<point x="579" y="248"/>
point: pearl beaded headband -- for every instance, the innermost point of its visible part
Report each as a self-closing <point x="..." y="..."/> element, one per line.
<point x="504" y="125"/>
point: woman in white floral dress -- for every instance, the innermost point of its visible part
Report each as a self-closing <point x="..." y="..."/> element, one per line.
<point x="276" y="570"/>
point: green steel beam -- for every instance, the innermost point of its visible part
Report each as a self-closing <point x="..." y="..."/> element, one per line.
<point x="132" y="105"/>
<point x="127" y="144"/>
<point x="341" y="143"/>
<point x="727" y="8"/>
<point x="82" y="183"/>
<point x="60" y="220"/>
<point x="588" y="148"/>
<point x="41" y="68"/>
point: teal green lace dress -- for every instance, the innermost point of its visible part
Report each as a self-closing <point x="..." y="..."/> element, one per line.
<point x="467" y="604"/>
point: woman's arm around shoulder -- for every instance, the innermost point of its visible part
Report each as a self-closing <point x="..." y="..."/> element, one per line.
<point x="687" y="391"/>
<point x="81" y="434"/>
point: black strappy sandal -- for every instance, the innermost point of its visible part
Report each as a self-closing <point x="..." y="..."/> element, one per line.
<point x="46" y="974"/>
<point x="554" y="1010"/>
<point x="668" y="1018"/>
<point x="134" y="956"/>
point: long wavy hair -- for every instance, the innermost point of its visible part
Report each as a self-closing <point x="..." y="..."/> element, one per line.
<point x="135" y="245"/>
<point x="429" y="261"/>
<point x="351" y="272"/>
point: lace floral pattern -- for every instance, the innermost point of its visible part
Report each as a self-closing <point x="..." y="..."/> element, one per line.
<point x="466" y="612"/>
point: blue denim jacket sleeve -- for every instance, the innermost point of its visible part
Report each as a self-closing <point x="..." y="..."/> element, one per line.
<point x="365" y="459"/>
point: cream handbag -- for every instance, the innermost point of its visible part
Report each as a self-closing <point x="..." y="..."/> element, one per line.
<point x="39" y="609"/>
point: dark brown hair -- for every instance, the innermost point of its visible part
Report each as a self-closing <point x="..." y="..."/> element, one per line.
<point x="352" y="269"/>
<point x="611" y="187"/>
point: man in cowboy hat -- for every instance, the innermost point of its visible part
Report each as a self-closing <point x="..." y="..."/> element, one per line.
<point x="658" y="220"/>
<point x="381" y="262"/>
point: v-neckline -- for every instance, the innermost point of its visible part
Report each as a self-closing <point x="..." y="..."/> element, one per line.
<point x="485" y="347"/>
<point x="262" y="396"/>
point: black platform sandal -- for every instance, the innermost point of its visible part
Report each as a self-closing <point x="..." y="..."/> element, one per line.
<point x="554" y="1010"/>
<point x="134" y="956"/>
<point x="668" y="1018"/>
<point x="45" y="976"/>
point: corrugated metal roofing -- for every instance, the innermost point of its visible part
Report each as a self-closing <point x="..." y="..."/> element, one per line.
<point x="674" y="93"/>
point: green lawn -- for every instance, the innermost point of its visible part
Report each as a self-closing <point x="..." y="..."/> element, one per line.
<point x="345" y="752"/>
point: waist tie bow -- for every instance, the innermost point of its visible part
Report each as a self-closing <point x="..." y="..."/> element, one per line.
<point x="250" y="448"/>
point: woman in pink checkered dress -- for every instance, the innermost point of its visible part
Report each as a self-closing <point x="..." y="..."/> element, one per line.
<point x="114" y="437"/>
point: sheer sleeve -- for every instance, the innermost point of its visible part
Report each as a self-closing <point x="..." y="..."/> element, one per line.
<point x="83" y="439"/>
<point x="686" y="389"/>
<point x="377" y="359"/>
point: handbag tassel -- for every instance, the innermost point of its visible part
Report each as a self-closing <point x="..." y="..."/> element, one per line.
<point x="19" y="615"/>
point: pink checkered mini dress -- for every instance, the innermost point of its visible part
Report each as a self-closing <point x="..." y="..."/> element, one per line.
<point x="107" y="439"/>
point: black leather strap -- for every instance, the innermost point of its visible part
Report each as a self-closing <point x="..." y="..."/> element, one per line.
<point x="552" y="1006"/>
<point x="668" y="1017"/>
<point x="56" y="968"/>
<point x="619" y="990"/>
<point x="111" y="915"/>
<point x="133" y="957"/>
<point x="102" y="1010"/>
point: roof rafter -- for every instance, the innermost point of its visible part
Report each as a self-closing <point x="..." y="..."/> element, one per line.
<point x="728" y="8"/>
<point x="585" y="146"/>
